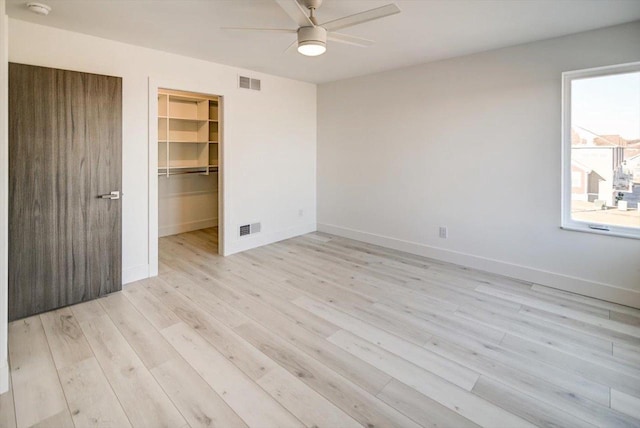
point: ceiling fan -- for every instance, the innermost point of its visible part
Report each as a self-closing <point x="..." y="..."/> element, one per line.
<point x="312" y="37"/>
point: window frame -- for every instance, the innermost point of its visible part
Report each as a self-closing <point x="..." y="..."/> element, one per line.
<point x="567" y="222"/>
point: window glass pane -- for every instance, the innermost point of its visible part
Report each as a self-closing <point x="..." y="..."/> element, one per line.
<point x="605" y="150"/>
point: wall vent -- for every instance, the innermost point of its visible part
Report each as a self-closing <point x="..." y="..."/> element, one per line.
<point x="245" y="82"/>
<point x="250" y="229"/>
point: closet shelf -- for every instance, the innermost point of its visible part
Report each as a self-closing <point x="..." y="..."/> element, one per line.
<point x="187" y="119"/>
<point x="182" y="170"/>
<point x="183" y="141"/>
<point x="188" y="133"/>
<point x="184" y="167"/>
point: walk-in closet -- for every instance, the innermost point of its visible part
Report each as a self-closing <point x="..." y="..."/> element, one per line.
<point x="189" y="148"/>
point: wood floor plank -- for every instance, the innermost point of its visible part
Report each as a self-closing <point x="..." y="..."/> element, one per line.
<point x="555" y="300"/>
<point x="531" y="329"/>
<point x="154" y="311"/>
<point x="144" y="402"/>
<point x="225" y="289"/>
<point x="527" y="366"/>
<point x="560" y="310"/>
<point x="91" y="400"/>
<point x="420" y="408"/>
<point x="364" y="323"/>
<point x="59" y="420"/>
<point x="310" y="407"/>
<point x="87" y="310"/>
<point x="37" y="391"/>
<point x="7" y="408"/>
<point x="446" y="369"/>
<point x="570" y="400"/>
<point x="362" y="374"/>
<point x="245" y="397"/>
<point x="203" y="298"/>
<point x="200" y="405"/>
<point x="359" y="404"/>
<point x="615" y="376"/>
<point x="454" y="398"/>
<point x="587" y="300"/>
<point x="145" y="340"/>
<point x="625" y="318"/>
<point x="625" y="403"/>
<point x="240" y="353"/>
<point x="518" y="403"/>
<point x="66" y="340"/>
<point x="583" y="327"/>
<point x="439" y="322"/>
<point x="626" y="355"/>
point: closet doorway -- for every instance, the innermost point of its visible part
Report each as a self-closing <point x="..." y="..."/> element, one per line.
<point x="189" y="166"/>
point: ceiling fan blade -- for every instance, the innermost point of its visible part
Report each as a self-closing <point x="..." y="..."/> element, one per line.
<point x="273" y="30"/>
<point x="359" y="18"/>
<point x="350" y="40"/>
<point x="293" y="44"/>
<point x="295" y="12"/>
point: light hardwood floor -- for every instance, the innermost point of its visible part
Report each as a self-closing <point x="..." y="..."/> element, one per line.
<point x="321" y="331"/>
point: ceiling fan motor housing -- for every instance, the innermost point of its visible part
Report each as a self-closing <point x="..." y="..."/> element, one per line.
<point x="312" y="35"/>
<point x="309" y="4"/>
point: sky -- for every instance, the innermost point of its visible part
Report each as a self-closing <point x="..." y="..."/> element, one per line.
<point x="607" y="105"/>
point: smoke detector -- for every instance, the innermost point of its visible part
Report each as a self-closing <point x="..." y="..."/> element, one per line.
<point x="39" y="8"/>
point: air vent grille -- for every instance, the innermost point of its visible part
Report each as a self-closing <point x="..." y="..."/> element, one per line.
<point x="245" y="82"/>
<point x="250" y="229"/>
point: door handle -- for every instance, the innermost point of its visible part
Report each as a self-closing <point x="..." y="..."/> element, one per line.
<point x="113" y="195"/>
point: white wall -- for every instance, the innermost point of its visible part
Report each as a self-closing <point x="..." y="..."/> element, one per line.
<point x="186" y="203"/>
<point x="472" y="143"/>
<point x="4" y="197"/>
<point x="270" y="136"/>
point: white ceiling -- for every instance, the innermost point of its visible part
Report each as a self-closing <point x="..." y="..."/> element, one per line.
<point x="426" y="30"/>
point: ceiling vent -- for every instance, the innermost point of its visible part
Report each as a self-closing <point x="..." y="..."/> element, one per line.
<point x="245" y="82"/>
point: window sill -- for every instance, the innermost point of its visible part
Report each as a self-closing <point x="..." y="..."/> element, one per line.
<point x="616" y="233"/>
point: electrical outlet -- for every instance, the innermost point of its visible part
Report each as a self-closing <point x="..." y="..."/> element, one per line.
<point x="444" y="232"/>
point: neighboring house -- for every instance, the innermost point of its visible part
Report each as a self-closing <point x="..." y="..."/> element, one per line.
<point x="633" y="165"/>
<point x="604" y="160"/>
<point x="610" y="140"/>
<point x="585" y="182"/>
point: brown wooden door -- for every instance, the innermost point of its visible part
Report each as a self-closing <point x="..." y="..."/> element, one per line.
<point x="65" y="151"/>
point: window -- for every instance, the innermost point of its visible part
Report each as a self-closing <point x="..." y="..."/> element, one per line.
<point x="601" y="150"/>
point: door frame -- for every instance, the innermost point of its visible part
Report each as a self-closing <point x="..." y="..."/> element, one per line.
<point x="223" y="214"/>
<point x="4" y="198"/>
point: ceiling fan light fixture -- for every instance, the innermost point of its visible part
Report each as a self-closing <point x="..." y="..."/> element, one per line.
<point x="312" y="48"/>
<point x="312" y="41"/>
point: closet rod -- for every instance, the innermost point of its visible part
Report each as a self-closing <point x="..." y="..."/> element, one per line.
<point x="186" y="172"/>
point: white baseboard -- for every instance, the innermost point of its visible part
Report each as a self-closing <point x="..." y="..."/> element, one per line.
<point x="259" y="239"/>
<point x="135" y="273"/>
<point x="4" y="377"/>
<point x="582" y="286"/>
<point x="174" y="229"/>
